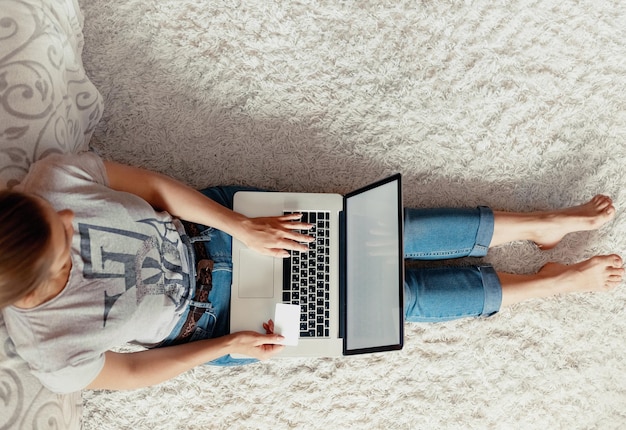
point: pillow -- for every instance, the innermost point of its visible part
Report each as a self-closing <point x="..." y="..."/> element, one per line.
<point x="47" y="103"/>
<point x="24" y="402"/>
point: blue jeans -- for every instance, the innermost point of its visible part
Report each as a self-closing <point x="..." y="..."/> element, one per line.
<point x="449" y="292"/>
<point x="430" y="294"/>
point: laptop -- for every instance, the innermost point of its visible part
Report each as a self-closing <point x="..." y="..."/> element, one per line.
<point x="348" y="286"/>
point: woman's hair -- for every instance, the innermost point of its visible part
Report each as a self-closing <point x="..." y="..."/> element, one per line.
<point x="24" y="238"/>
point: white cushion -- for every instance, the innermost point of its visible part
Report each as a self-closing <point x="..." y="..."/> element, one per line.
<point x="24" y="402"/>
<point x="47" y="103"/>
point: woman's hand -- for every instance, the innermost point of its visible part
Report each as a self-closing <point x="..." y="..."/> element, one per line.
<point x="256" y="345"/>
<point x="269" y="327"/>
<point x="275" y="235"/>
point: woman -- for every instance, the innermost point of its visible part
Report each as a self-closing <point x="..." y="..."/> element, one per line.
<point x="93" y="255"/>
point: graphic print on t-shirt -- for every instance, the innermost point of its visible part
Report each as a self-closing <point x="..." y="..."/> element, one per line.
<point x="149" y="261"/>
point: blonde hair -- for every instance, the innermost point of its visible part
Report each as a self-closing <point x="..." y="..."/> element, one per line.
<point x="24" y="243"/>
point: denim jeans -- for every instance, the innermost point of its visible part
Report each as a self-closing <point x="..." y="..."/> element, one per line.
<point x="430" y="294"/>
<point x="449" y="292"/>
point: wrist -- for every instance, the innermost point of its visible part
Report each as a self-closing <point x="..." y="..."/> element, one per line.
<point x="237" y="225"/>
<point x="232" y="344"/>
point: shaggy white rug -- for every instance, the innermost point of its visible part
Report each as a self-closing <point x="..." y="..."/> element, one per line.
<point x="517" y="104"/>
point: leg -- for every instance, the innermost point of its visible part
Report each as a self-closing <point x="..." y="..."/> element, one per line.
<point x="546" y="229"/>
<point x="431" y="234"/>
<point x="446" y="293"/>
<point x="218" y="248"/>
<point x="600" y="273"/>
<point x="435" y="234"/>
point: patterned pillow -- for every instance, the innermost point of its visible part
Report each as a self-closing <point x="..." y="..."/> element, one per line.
<point x="47" y="103"/>
<point x="24" y="402"/>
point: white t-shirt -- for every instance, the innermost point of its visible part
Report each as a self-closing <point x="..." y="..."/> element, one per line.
<point x="129" y="280"/>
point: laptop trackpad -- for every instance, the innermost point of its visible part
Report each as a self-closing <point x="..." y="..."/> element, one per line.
<point x="256" y="275"/>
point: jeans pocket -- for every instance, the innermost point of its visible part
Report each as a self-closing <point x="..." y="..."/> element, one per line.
<point x="204" y="327"/>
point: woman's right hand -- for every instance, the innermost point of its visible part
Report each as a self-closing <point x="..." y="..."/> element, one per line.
<point x="256" y="345"/>
<point x="275" y="236"/>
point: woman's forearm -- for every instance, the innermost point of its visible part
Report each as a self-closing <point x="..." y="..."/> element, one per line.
<point x="178" y="199"/>
<point x="124" y="371"/>
<point x="270" y="235"/>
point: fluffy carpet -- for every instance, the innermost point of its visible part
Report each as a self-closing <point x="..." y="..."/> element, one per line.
<point x="516" y="104"/>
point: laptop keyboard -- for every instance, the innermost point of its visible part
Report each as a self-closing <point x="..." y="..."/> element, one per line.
<point x="306" y="277"/>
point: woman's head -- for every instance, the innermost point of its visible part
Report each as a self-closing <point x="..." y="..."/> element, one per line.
<point x="25" y="245"/>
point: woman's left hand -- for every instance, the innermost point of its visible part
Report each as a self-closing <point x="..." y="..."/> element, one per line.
<point x="275" y="236"/>
<point x="269" y="327"/>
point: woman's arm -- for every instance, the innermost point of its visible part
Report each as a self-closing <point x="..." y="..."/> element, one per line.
<point x="126" y="371"/>
<point x="268" y="235"/>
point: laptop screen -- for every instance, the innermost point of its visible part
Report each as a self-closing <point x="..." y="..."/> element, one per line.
<point x="374" y="268"/>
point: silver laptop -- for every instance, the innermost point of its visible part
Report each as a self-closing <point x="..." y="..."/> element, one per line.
<point x="349" y="285"/>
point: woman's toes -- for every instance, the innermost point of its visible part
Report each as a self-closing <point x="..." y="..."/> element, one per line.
<point x="617" y="261"/>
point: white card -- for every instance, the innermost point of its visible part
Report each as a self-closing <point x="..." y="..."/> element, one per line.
<point x="287" y="323"/>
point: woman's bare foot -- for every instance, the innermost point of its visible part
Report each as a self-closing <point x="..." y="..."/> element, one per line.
<point x="589" y="216"/>
<point x="600" y="273"/>
<point x="547" y="229"/>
